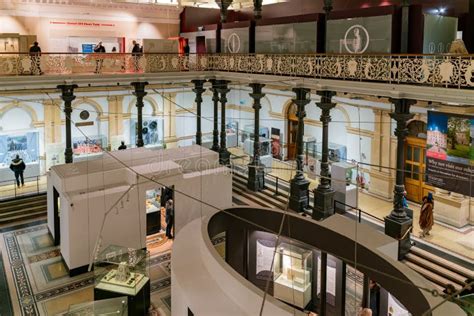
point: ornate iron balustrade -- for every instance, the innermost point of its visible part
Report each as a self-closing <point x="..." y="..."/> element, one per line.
<point x="429" y="70"/>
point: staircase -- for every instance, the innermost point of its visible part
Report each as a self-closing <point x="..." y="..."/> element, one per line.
<point x="441" y="272"/>
<point x="438" y="270"/>
<point x="23" y="208"/>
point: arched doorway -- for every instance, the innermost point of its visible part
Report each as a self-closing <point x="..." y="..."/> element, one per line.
<point x="415" y="160"/>
<point x="292" y="131"/>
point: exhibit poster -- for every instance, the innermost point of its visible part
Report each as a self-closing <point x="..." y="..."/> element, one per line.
<point x="359" y="35"/>
<point x="450" y="152"/>
<point x="152" y="131"/>
<point x="26" y="145"/>
<point x="286" y="38"/>
<point x="395" y="308"/>
<point x="439" y="32"/>
<point x="276" y="146"/>
<point x="265" y="251"/>
<point x="88" y="145"/>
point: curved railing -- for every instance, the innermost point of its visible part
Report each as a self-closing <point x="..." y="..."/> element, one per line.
<point x="450" y="71"/>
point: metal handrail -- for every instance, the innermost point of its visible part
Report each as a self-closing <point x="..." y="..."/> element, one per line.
<point x="357" y="210"/>
<point x="16" y="192"/>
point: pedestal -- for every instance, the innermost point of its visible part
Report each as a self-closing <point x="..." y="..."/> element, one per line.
<point x="323" y="204"/>
<point x="398" y="229"/>
<point x="137" y="305"/>
<point x="224" y="157"/>
<point x="256" y="179"/>
<point x="299" y="194"/>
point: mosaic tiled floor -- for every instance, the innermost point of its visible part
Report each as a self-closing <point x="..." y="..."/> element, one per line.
<point x="34" y="280"/>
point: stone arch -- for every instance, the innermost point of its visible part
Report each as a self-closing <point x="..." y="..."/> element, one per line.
<point x="91" y="102"/>
<point x="20" y="105"/>
<point x="345" y="114"/>
<point x="154" y="105"/>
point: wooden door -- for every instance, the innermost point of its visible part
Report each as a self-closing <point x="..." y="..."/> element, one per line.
<point x="415" y="158"/>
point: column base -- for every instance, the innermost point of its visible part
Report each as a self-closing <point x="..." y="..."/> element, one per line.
<point x="256" y="179"/>
<point x="68" y="154"/>
<point x="323" y="204"/>
<point x="398" y="229"/>
<point x="299" y="194"/>
<point x="224" y="157"/>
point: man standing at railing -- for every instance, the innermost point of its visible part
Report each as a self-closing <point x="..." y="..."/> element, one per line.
<point x="35" y="54"/>
<point x="98" y="63"/>
<point x="18" y="167"/>
<point x="136" y="53"/>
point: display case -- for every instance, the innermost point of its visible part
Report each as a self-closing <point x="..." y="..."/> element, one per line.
<point x="342" y="178"/>
<point x="153" y="211"/>
<point x="292" y="274"/>
<point x="232" y="134"/>
<point x="121" y="271"/>
<point x="114" y="306"/>
<point x="248" y="133"/>
<point x="337" y="152"/>
<point x="266" y="157"/>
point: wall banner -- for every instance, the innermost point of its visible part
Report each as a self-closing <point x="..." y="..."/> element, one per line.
<point x="450" y="152"/>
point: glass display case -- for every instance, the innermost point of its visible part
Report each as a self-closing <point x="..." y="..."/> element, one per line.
<point x="247" y="133"/>
<point x="292" y="274"/>
<point x="232" y="134"/>
<point x="153" y="211"/>
<point x="114" y="306"/>
<point x="121" y="271"/>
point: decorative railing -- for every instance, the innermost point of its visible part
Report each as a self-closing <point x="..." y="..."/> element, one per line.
<point x="428" y="70"/>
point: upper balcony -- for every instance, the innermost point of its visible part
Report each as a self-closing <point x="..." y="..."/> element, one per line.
<point x="423" y="77"/>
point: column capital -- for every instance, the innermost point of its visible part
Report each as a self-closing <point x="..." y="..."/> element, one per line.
<point x="139" y="87"/>
<point x="256" y="94"/>
<point x="67" y="92"/>
<point x="402" y="115"/>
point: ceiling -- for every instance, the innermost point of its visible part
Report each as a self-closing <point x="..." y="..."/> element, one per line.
<point x="236" y="4"/>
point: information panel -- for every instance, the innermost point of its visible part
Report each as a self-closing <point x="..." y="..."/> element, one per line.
<point x="286" y="38"/>
<point x="450" y="152"/>
<point x="360" y="35"/>
<point x="235" y="41"/>
<point x="439" y="33"/>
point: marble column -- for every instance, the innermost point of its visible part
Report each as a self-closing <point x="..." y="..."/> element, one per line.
<point x="324" y="193"/>
<point x="115" y="121"/>
<point x="299" y="184"/>
<point x="224" y="154"/>
<point x="215" y="100"/>
<point x="256" y="179"/>
<point x="199" y="90"/>
<point x="67" y="95"/>
<point x="398" y="224"/>
<point x="139" y="93"/>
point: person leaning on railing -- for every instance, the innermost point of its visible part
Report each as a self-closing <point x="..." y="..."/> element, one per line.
<point x="35" y="55"/>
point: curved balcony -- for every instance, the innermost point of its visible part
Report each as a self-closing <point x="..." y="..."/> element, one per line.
<point x="208" y="284"/>
<point x="448" y="71"/>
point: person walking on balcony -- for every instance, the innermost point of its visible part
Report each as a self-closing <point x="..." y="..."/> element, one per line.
<point x="136" y="53"/>
<point x="186" y="48"/>
<point x="426" y="215"/>
<point x="169" y="218"/>
<point x="99" y="49"/>
<point x="35" y="55"/>
<point x="18" y="167"/>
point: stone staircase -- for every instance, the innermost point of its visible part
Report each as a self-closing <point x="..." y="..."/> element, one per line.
<point x="23" y="208"/>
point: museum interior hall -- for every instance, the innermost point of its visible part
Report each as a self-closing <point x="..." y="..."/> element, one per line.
<point x="237" y="157"/>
